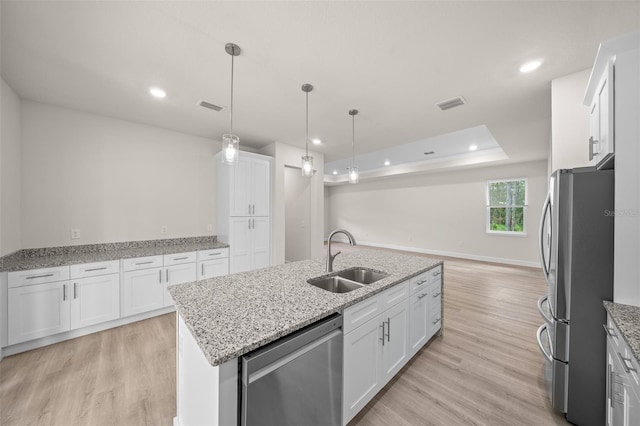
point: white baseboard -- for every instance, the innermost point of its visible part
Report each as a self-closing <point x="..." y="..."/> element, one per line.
<point x="67" y="335"/>
<point x="446" y="253"/>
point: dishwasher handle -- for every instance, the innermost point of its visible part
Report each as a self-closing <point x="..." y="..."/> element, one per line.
<point x="287" y="359"/>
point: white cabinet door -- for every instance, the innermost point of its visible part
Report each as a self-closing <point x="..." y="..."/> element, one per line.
<point x="143" y="291"/>
<point x="177" y="274"/>
<point x="240" y="187"/>
<point x="37" y="311"/>
<point x="240" y="244"/>
<point x="213" y="268"/>
<point x="601" y="118"/>
<point x="361" y="368"/>
<point x="260" y="242"/>
<point x="95" y="300"/>
<point x="395" y="351"/>
<point x="419" y="318"/>
<point x="260" y="188"/>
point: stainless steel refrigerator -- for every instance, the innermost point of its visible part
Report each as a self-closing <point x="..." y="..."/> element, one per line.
<point x="576" y="247"/>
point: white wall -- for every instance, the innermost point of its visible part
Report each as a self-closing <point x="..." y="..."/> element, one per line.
<point x="288" y="155"/>
<point x="297" y="203"/>
<point x="569" y="122"/>
<point x="114" y="180"/>
<point x="440" y="213"/>
<point x="10" y="163"/>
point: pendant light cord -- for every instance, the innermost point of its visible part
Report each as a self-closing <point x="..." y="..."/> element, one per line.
<point x="353" y="139"/>
<point x="307" y="125"/>
<point x="231" y="113"/>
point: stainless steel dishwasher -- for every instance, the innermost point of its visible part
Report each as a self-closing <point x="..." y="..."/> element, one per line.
<point x="296" y="380"/>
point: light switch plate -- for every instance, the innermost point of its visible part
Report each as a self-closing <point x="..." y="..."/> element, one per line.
<point x="163" y="229"/>
<point x="75" y="234"/>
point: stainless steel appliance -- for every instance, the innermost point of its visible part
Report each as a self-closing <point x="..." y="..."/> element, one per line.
<point x="576" y="248"/>
<point x="296" y="380"/>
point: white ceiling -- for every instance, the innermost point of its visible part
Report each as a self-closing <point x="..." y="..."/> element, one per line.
<point x="391" y="60"/>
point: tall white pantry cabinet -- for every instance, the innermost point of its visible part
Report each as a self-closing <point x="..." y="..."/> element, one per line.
<point x="244" y="210"/>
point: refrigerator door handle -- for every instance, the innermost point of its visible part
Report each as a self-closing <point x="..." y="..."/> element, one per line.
<point x="546" y="208"/>
<point x="547" y="355"/>
<point x="541" y="302"/>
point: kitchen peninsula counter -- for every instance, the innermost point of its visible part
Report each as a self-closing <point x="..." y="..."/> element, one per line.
<point x="232" y="315"/>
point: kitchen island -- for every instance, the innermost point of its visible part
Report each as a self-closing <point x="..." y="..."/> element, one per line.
<point x="223" y="318"/>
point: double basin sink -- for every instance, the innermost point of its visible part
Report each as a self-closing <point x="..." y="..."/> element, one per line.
<point x="348" y="280"/>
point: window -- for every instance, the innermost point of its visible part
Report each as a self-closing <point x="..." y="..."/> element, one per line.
<point x="506" y="205"/>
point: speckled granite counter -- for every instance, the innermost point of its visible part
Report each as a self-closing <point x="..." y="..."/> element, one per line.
<point x="627" y="319"/>
<point x="232" y="315"/>
<point x="72" y="255"/>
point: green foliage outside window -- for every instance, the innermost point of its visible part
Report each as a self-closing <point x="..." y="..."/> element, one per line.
<point x="506" y="205"/>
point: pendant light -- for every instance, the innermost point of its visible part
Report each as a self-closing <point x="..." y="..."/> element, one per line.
<point x="231" y="142"/>
<point x="353" y="170"/>
<point x="307" y="160"/>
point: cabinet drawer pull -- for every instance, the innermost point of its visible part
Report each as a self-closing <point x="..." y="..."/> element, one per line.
<point x="218" y="253"/>
<point x="421" y="282"/>
<point x="181" y="258"/>
<point x="249" y="211"/>
<point x="388" y="329"/>
<point x="437" y="320"/>
<point x="626" y="364"/>
<point x="64" y="292"/>
<point x="32" y="277"/>
<point x="144" y="263"/>
<point x="167" y="275"/>
<point x="609" y="331"/>
<point x="75" y="290"/>
<point x="435" y="274"/>
<point x="382" y="338"/>
<point x="437" y="294"/>
<point x="202" y="268"/>
<point x="422" y="295"/>
<point x="160" y="276"/>
<point x="95" y="269"/>
<point x="248" y="223"/>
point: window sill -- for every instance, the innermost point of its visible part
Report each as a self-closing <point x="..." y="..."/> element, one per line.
<point x="506" y="234"/>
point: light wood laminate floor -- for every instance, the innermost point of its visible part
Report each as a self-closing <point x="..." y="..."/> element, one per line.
<point x="485" y="370"/>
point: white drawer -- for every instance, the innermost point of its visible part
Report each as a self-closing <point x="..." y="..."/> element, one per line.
<point x="37" y="276"/>
<point x="435" y="274"/>
<point x="178" y="258"/>
<point x="212" y="254"/>
<point x="142" y="263"/>
<point x="95" y="268"/>
<point x="420" y="282"/>
<point x="358" y="314"/>
<point x="395" y="294"/>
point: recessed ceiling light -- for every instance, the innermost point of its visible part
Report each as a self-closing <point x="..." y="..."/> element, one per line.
<point x="335" y="172"/>
<point x="157" y="92"/>
<point x="473" y="147"/>
<point x="387" y="162"/>
<point x="316" y="141"/>
<point x="530" y="66"/>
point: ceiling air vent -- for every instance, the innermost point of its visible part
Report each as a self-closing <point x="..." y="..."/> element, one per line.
<point x="451" y="103"/>
<point x="210" y="106"/>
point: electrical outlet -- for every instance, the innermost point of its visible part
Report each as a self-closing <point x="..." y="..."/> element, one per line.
<point x="163" y="229"/>
<point x="75" y="234"/>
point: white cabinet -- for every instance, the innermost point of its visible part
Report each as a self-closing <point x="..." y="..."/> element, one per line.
<point x="179" y="268"/>
<point x="418" y="322"/>
<point x="142" y="286"/>
<point x="88" y="295"/>
<point x="38" y="310"/>
<point x="213" y="263"/>
<point x="623" y="383"/>
<point x="244" y="211"/>
<point x="601" y="117"/>
<point x="395" y="343"/>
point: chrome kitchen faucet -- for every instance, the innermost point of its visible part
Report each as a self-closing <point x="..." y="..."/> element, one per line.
<point x="352" y="241"/>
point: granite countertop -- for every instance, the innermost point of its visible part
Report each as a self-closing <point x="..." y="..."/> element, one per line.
<point x="71" y="255"/>
<point x="627" y="319"/>
<point x="235" y="314"/>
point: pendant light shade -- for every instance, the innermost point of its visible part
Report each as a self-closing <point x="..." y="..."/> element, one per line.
<point x="307" y="160"/>
<point x="353" y="170"/>
<point x="231" y="142"/>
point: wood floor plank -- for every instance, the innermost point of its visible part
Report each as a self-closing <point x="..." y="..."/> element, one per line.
<point x="485" y="370"/>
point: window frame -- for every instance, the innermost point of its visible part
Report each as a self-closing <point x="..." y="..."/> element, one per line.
<point x="524" y="206"/>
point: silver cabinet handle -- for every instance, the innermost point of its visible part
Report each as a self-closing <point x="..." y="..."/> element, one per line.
<point x="248" y="223"/>
<point x="388" y="329"/>
<point x="592" y="152"/>
<point x="64" y="292"/>
<point x="144" y="263"/>
<point x="422" y="295"/>
<point x="167" y="275"/>
<point x="160" y="276"/>
<point x="436" y="321"/>
<point x="421" y="282"/>
<point x="609" y="331"/>
<point x="435" y="274"/>
<point x="249" y="209"/>
<point x="217" y="253"/>
<point x="437" y="294"/>
<point x="382" y="338"/>
<point x="253" y="224"/>
<point x="202" y="268"/>
<point x="181" y="258"/>
<point x="75" y="290"/>
<point x="32" y="277"/>
<point x="95" y="269"/>
<point x="626" y="364"/>
<point x="253" y="209"/>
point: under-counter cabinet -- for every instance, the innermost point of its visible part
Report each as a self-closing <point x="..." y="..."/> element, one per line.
<point x="213" y="263"/>
<point x="48" y="301"/>
<point x="623" y="382"/>
<point x="179" y="268"/>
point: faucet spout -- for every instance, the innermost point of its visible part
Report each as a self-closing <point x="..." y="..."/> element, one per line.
<point x="330" y="257"/>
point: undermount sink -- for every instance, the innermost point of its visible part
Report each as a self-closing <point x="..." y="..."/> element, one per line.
<point x="348" y="280"/>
